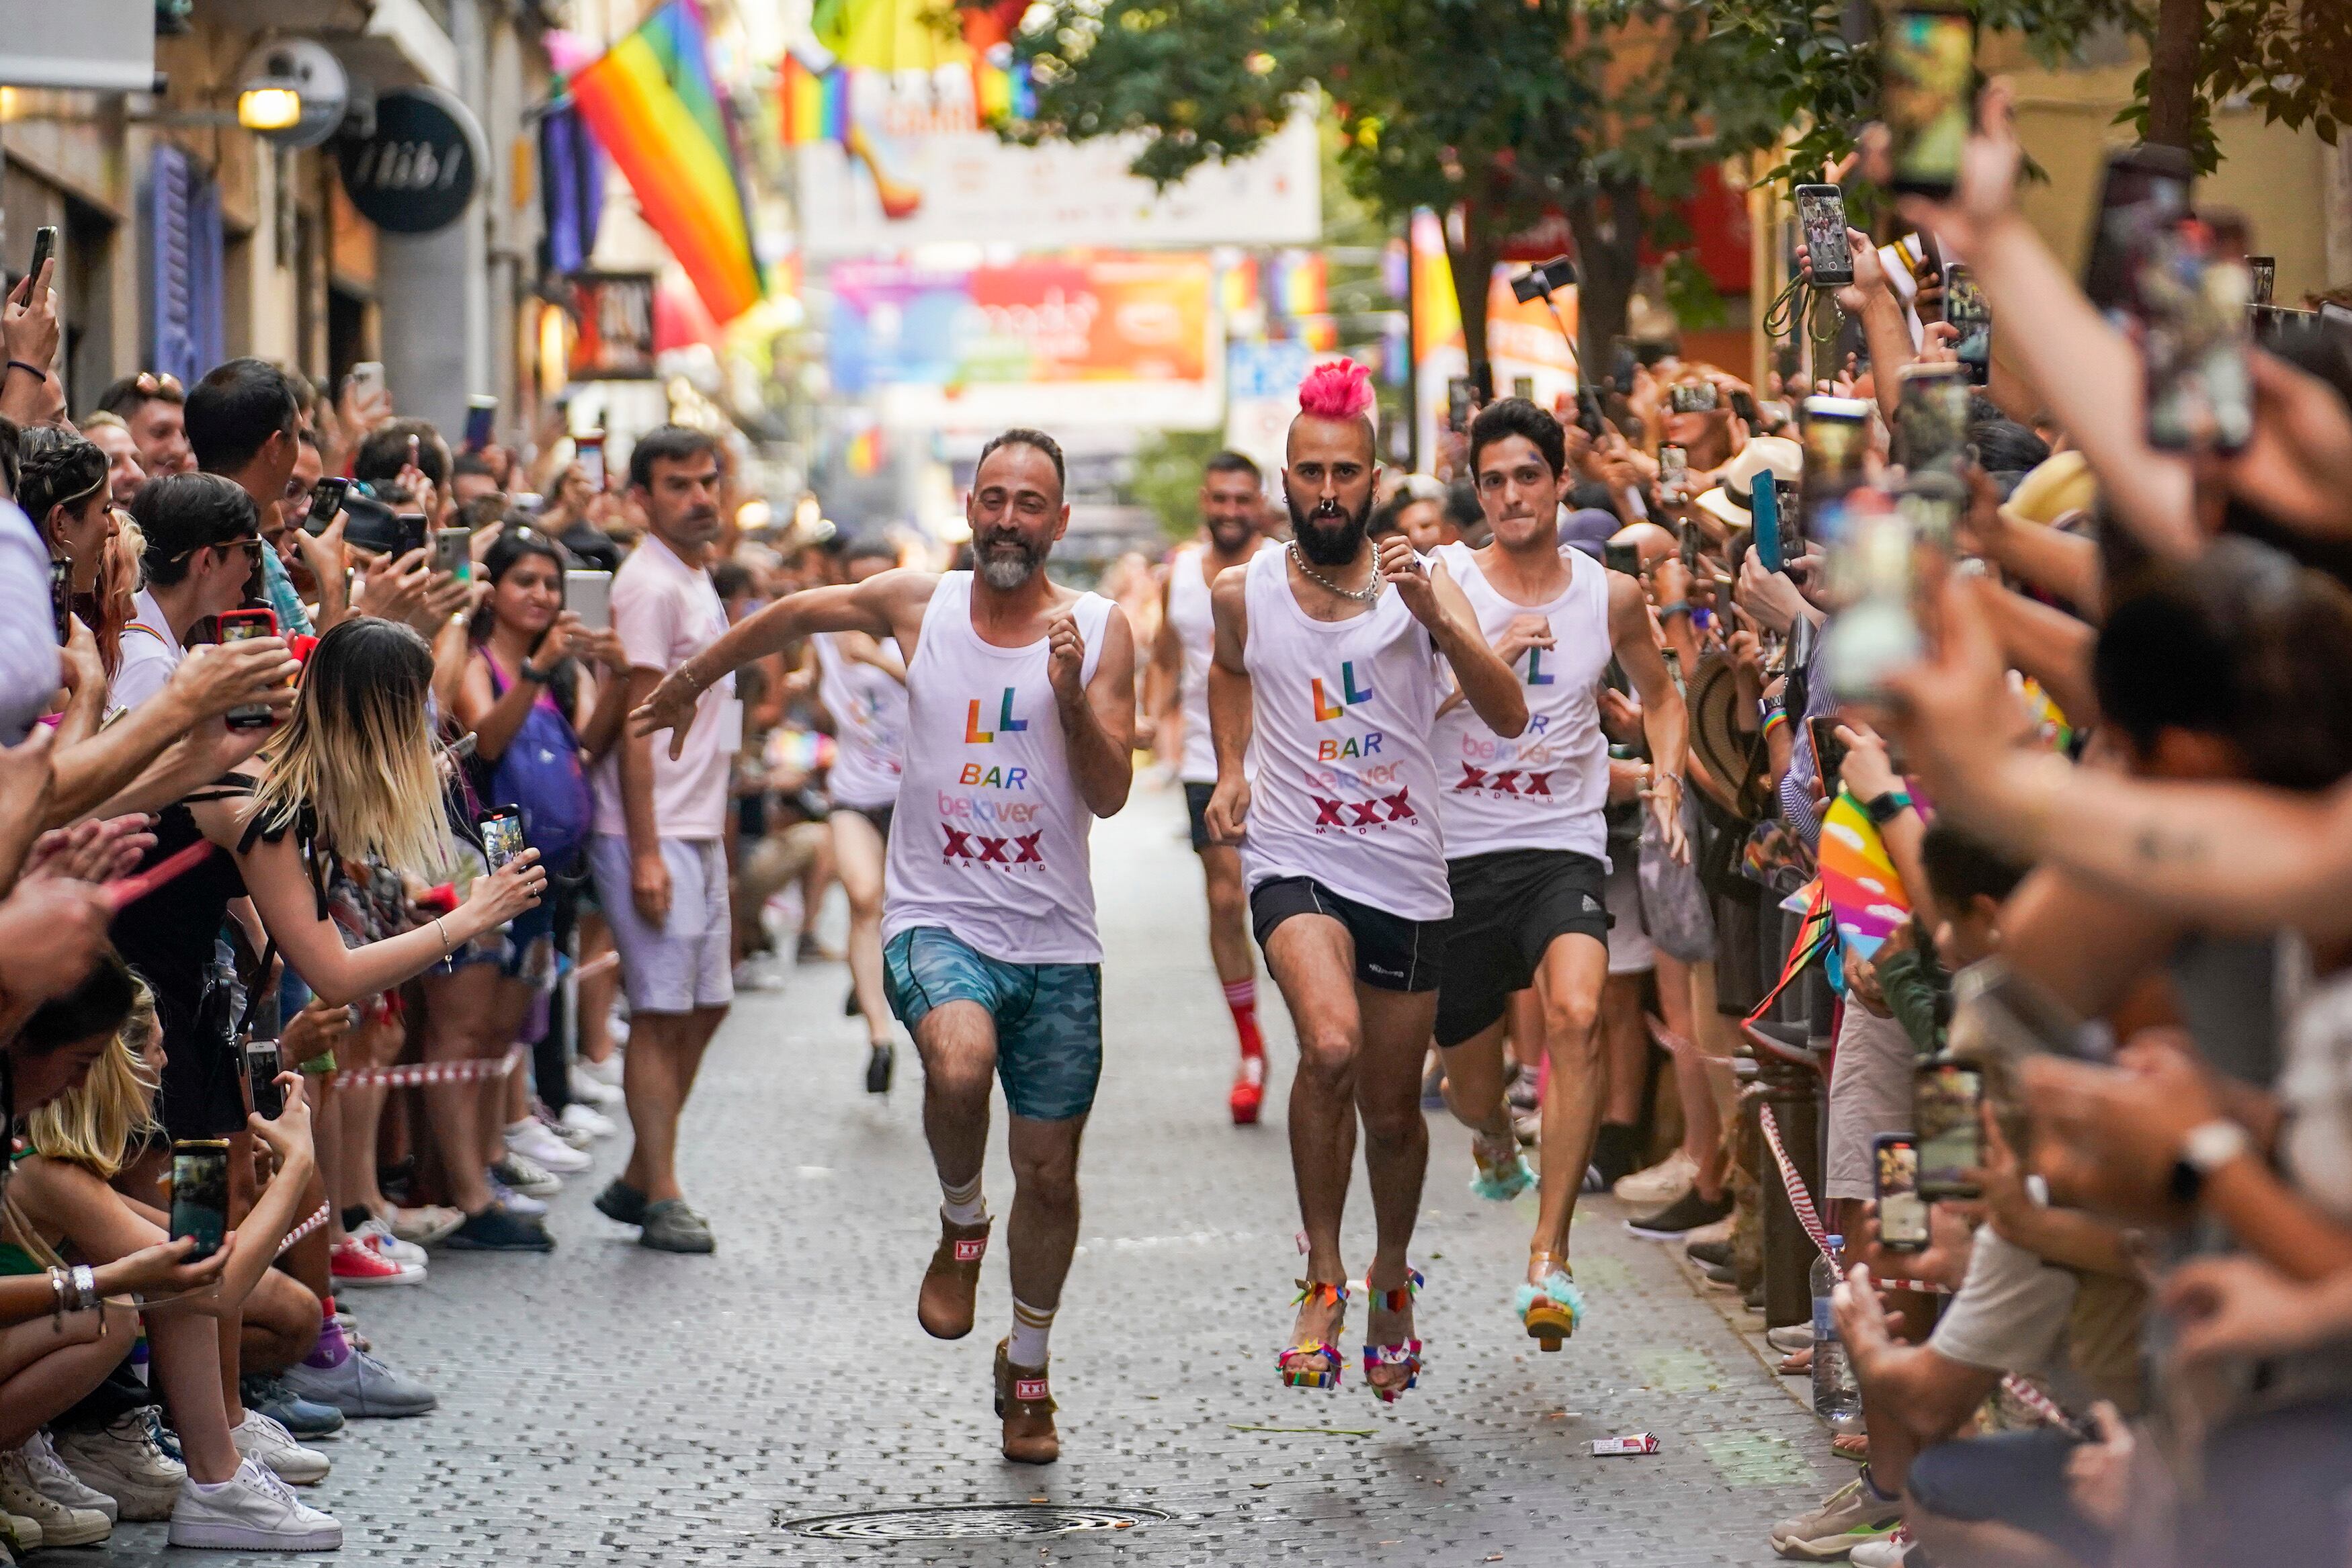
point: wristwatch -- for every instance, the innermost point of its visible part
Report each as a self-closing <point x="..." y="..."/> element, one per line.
<point x="1885" y="809"/>
<point x="535" y="676"/>
<point x="2204" y="1149"/>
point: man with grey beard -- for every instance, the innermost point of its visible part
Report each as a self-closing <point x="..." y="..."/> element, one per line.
<point x="1020" y="714"/>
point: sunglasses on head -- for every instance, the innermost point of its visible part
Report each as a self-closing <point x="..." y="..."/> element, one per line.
<point x="150" y="383"/>
<point x="252" y="546"/>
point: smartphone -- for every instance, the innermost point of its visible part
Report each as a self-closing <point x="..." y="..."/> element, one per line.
<point x="61" y="599"/>
<point x="1965" y="308"/>
<point x="1894" y="1182"/>
<point x="243" y="626"/>
<point x="2262" y="271"/>
<point x="1837" y="435"/>
<point x="452" y="552"/>
<point x="1625" y="557"/>
<point x="410" y="528"/>
<point x="1928" y="59"/>
<point x="1673" y="469"/>
<point x="1693" y="397"/>
<point x="2194" y="339"/>
<point x="1690" y="544"/>
<point x="589" y="595"/>
<point x="1524" y="388"/>
<point x="200" y="1194"/>
<point x="1913" y="248"/>
<point x="481" y="418"/>
<point x="1829" y="751"/>
<point x="1587" y="413"/>
<point x="1745" y="407"/>
<point x="1931" y="427"/>
<point x="1459" y="406"/>
<point x="501" y="834"/>
<point x="1947" y="1114"/>
<point x="45" y="246"/>
<point x="262" y="1066"/>
<point x="1998" y="1011"/>
<point x="1764" y="511"/>
<point x="2143" y="193"/>
<point x="367" y="378"/>
<point x="1820" y="215"/>
<point x="326" y="500"/>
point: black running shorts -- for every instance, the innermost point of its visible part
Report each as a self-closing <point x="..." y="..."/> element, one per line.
<point x="1508" y="907"/>
<point x="1196" y="806"/>
<point x="1393" y="954"/>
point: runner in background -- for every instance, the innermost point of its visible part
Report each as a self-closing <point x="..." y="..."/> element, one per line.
<point x="1231" y="496"/>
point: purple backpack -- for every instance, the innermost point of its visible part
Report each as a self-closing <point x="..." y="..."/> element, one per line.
<point x="540" y="773"/>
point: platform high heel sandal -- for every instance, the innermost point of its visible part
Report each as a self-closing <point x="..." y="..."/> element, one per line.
<point x="1553" y="1310"/>
<point x="1405" y="1354"/>
<point x="1504" y="1172"/>
<point x="1313" y="1362"/>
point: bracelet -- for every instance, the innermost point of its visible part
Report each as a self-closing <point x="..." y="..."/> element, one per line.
<point x="33" y="370"/>
<point x="447" y="946"/>
<point x="85" y="1284"/>
<point x="1679" y="607"/>
<point x="534" y="675"/>
<point x="1776" y="716"/>
<point x="57" y="1289"/>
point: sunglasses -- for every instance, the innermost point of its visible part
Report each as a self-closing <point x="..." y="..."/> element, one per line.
<point x="152" y="384"/>
<point x="251" y="546"/>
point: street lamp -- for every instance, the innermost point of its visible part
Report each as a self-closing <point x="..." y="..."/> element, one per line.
<point x="293" y="91"/>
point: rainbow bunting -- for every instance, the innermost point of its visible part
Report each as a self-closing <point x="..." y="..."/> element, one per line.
<point x="652" y="103"/>
<point x="815" y="103"/>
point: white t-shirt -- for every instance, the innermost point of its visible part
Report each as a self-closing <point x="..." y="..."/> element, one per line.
<point x="150" y="653"/>
<point x="29" y="667"/>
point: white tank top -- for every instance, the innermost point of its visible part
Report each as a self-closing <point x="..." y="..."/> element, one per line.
<point x="1545" y="790"/>
<point x="869" y="727"/>
<point x="1343" y="788"/>
<point x="990" y="840"/>
<point x="1196" y="633"/>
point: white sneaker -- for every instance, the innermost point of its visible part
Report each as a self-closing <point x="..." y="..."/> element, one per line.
<point x="588" y="1088"/>
<point x="59" y="1484"/>
<point x="1661" y="1183"/>
<point x="124" y="1461"/>
<point x="543" y="1148"/>
<point x="584" y="1118"/>
<point x="376" y="1233"/>
<point x="266" y="1438"/>
<point x="60" y="1525"/>
<point x="1887" y="1553"/>
<point x="251" y="1512"/>
<point x="1790" y="1338"/>
<point x="570" y="1137"/>
<point x="607" y="1071"/>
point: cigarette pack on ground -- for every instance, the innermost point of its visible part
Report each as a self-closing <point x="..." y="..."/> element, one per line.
<point x="1631" y="1443"/>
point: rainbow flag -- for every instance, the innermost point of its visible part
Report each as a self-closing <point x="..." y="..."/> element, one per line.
<point x="651" y="101"/>
<point x="815" y="103"/>
<point x="1866" y="895"/>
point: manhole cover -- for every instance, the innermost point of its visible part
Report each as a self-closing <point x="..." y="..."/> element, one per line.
<point x="991" y="1520"/>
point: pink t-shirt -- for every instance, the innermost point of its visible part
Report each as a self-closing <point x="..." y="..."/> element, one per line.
<point x="665" y="612"/>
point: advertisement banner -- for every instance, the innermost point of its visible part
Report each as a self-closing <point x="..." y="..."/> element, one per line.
<point x="612" y="326"/>
<point x="1103" y="336"/>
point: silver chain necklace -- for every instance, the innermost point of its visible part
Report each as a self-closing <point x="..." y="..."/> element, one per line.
<point x="1368" y="594"/>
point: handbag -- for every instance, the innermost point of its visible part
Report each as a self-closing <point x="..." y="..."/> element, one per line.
<point x="1675" y="905"/>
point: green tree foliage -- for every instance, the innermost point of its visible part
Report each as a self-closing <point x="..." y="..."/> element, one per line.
<point x="1167" y="477"/>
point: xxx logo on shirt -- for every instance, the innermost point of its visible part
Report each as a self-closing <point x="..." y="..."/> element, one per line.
<point x="1375" y="814"/>
<point x="1006" y="723"/>
<point x="1326" y="709"/>
<point x="981" y="850"/>
<point x="1504" y="781"/>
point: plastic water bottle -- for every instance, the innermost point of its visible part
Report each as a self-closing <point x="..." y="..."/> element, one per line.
<point x="1837" y="1399"/>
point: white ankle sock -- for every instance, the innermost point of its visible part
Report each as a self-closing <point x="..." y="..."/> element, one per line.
<point x="1032" y="1326"/>
<point x="963" y="1204"/>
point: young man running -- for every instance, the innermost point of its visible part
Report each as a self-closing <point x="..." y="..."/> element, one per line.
<point x="1525" y="846"/>
<point x="862" y="683"/>
<point x="1322" y="696"/>
<point x="1231" y="501"/>
<point x="1021" y="711"/>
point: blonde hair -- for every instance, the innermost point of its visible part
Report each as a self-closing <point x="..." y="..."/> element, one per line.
<point x="98" y="1123"/>
<point x="359" y="753"/>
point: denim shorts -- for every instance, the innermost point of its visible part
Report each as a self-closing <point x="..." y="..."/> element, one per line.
<point x="1048" y="1016"/>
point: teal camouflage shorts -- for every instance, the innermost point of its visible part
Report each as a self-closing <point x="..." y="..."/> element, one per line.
<point x="1048" y="1016"/>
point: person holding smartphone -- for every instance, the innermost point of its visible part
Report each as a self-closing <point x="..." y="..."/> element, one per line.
<point x="203" y="547"/>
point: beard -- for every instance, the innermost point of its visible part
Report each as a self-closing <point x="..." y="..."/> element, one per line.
<point x="1328" y="536"/>
<point x="1230" y="535"/>
<point x="1005" y="561"/>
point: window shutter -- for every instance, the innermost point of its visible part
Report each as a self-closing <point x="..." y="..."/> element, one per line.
<point x="184" y="281"/>
<point x="207" y="306"/>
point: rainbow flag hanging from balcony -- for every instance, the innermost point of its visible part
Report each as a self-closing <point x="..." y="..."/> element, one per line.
<point x="815" y="103"/>
<point x="652" y="102"/>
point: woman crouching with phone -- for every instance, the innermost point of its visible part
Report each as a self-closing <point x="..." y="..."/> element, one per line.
<point x="353" y="773"/>
<point x="61" y="1205"/>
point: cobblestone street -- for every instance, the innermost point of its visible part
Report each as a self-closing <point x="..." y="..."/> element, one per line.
<point x="610" y="1405"/>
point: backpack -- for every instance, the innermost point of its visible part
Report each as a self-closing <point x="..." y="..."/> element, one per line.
<point x="540" y="773"/>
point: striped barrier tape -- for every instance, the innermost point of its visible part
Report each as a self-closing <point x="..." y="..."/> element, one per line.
<point x="303" y="1230"/>
<point x="471" y="1070"/>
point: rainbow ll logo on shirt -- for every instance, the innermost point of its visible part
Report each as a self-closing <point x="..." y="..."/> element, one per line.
<point x="1536" y="674"/>
<point x="1006" y="723"/>
<point x="1325" y="709"/>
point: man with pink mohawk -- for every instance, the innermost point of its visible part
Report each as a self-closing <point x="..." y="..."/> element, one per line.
<point x="1322" y="695"/>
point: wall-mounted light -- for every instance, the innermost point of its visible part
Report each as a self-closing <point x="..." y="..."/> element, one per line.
<point x="293" y="91"/>
<point x="270" y="108"/>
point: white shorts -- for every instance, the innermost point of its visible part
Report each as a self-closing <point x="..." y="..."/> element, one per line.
<point x="684" y="964"/>
<point x="1630" y="951"/>
<point x="1870" y="1093"/>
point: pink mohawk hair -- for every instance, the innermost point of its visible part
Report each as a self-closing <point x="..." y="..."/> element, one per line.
<point x="1339" y="390"/>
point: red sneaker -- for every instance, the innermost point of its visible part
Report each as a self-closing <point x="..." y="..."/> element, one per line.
<point x="355" y="1263"/>
<point x="1249" y="1091"/>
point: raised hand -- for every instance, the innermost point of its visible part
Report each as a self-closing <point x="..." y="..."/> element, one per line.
<point x="1065" y="658"/>
<point x="1401" y="570"/>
